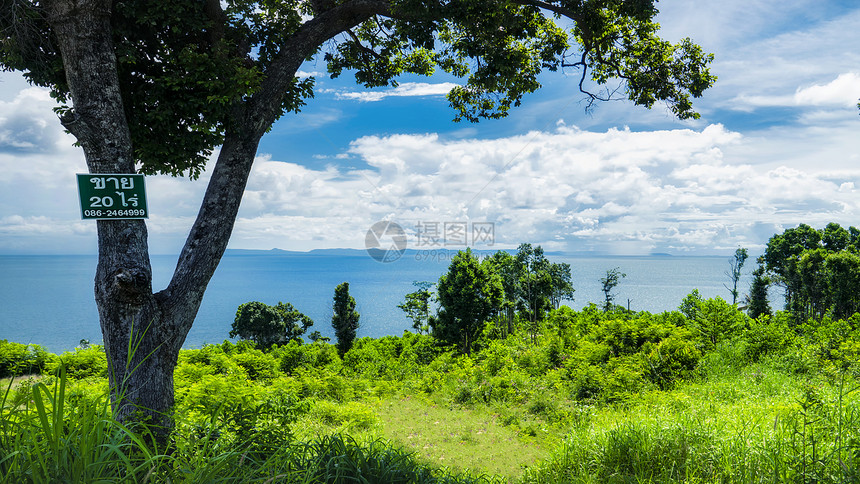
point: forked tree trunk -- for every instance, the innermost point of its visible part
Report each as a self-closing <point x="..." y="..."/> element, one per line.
<point x="144" y="331"/>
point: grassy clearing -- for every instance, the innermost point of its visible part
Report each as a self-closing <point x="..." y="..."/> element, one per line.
<point x="459" y="437"/>
<point x="451" y="436"/>
<point x="18" y="380"/>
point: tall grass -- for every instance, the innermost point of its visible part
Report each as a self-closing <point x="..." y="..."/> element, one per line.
<point x="45" y="439"/>
<point x="697" y="435"/>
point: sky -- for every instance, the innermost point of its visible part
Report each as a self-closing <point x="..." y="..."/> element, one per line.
<point x="777" y="144"/>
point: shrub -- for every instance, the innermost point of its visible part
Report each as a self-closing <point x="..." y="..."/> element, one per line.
<point x="673" y="359"/>
<point x="18" y="359"/>
<point x="82" y="363"/>
<point x="257" y="365"/>
<point x="715" y="320"/>
<point x="768" y="335"/>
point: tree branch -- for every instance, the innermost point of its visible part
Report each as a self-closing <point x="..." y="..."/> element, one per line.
<point x="251" y="118"/>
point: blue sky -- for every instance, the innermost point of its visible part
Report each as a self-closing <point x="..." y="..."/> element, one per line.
<point x="778" y="144"/>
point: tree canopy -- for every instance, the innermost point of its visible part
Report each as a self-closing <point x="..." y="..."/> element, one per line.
<point x="209" y="57"/>
<point x="818" y="269"/>
<point x="267" y="325"/>
<point x="470" y="293"/>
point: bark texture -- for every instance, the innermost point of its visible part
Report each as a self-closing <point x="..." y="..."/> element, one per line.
<point x="141" y="356"/>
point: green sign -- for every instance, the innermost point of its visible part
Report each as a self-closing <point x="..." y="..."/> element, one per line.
<point x="112" y="196"/>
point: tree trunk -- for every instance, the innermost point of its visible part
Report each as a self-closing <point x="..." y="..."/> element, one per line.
<point x="143" y="332"/>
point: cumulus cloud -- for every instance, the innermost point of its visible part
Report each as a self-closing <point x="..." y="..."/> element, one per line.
<point x="566" y="188"/>
<point x="406" y="89"/>
<point x="844" y="91"/>
<point x="672" y="190"/>
<point x="27" y="124"/>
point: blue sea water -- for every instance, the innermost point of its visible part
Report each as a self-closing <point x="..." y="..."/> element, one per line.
<point x="48" y="300"/>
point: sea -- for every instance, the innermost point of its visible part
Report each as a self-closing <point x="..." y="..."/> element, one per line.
<point x="48" y="299"/>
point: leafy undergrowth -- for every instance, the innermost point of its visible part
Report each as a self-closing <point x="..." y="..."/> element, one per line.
<point x="702" y="395"/>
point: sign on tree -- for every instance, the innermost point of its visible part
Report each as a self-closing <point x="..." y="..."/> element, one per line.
<point x="112" y="196"/>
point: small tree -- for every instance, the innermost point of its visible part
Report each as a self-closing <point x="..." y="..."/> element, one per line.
<point x="613" y="277"/>
<point x="758" y="304"/>
<point x="562" y="288"/>
<point x="344" y="319"/>
<point x="317" y="336"/>
<point x="736" y="263"/>
<point x="469" y="295"/>
<point x="417" y="306"/>
<point x="267" y="325"/>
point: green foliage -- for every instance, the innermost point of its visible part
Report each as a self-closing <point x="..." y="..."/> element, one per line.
<point x="344" y="319"/>
<point x="417" y="306"/>
<point x="532" y="286"/>
<point x="18" y="359"/>
<point x="818" y="268"/>
<point x="469" y="295"/>
<point x="768" y="336"/>
<point x="268" y="325"/>
<point x="712" y="320"/>
<point x="81" y="363"/>
<point x="642" y="396"/>
<point x="758" y="304"/>
<point x="206" y="61"/>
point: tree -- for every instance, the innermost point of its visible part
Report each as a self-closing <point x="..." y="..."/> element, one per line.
<point x="816" y="268"/>
<point x="612" y="279"/>
<point x="417" y="306"/>
<point x="153" y="87"/>
<point x="469" y="295"/>
<point x="509" y="271"/>
<point x="317" y="336"/>
<point x="736" y="263"/>
<point x="782" y="256"/>
<point x="842" y="278"/>
<point x="535" y="282"/>
<point x="562" y="288"/>
<point x="267" y="325"/>
<point x="758" y="303"/>
<point x="532" y="284"/>
<point x="344" y="318"/>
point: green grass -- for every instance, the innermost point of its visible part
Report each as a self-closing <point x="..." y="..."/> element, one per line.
<point x="460" y="437"/>
<point x="756" y="425"/>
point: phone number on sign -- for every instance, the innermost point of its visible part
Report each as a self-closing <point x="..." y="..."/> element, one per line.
<point x="115" y="213"/>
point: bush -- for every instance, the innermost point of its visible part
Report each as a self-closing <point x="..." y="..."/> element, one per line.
<point x="82" y="363"/>
<point x="18" y="359"/>
<point x="715" y="320"/>
<point x="257" y="365"/>
<point x="768" y="335"/>
<point x="673" y="359"/>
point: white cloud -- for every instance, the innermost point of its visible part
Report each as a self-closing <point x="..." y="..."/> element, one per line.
<point x="27" y="123"/>
<point x="567" y="188"/>
<point x="406" y="89"/>
<point x="623" y="190"/>
<point x="843" y="91"/>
